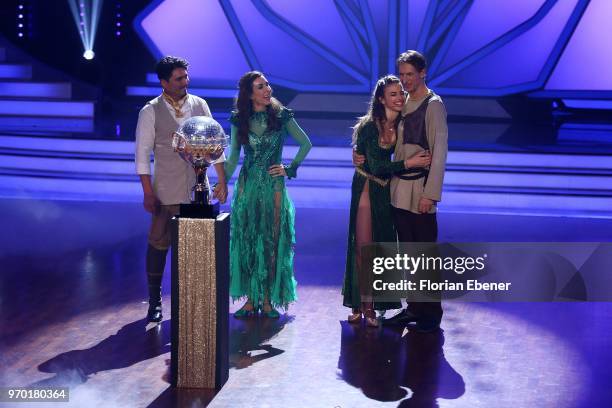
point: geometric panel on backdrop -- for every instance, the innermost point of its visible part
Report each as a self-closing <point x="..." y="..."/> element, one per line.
<point x="202" y="35"/>
<point x="587" y="60"/>
<point x="518" y="61"/>
<point x="474" y="47"/>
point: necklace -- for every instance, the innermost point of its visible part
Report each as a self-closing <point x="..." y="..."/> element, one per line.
<point x="390" y="126"/>
<point x="176" y="105"/>
<point x="387" y="138"/>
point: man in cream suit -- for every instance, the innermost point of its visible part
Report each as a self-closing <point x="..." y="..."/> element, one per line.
<point x="173" y="178"/>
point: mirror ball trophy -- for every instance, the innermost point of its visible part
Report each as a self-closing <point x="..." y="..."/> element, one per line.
<point x="200" y="141"/>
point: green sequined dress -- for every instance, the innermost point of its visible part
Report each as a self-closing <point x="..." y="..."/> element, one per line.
<point x="378" y="164"/>
<point x="262" y="234"/>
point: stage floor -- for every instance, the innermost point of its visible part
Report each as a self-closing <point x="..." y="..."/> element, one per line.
<point x="334" y="130"/>
<point x="73" y="298"/>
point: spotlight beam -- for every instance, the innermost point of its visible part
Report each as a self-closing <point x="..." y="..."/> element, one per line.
<point x="75" y="16"/>
<point x="95" y="16"/>
<point x="86" y="15"/>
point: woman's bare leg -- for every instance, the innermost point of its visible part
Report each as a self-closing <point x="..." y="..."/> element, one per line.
<point x="267" y="307"/>
<point x="363" y="238"/>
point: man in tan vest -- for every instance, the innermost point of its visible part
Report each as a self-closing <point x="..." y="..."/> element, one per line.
<point x="422" y="130"/>
<point x="173" y="178"/>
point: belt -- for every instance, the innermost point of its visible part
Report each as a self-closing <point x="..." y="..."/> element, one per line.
<point x="375" y="179"/>
<point x="421" y="174"/>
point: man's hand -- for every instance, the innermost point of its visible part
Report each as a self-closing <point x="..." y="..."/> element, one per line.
<point x="358" y="159"/>
<point x="220" y="192"/>
<point x="425" y="205"/>
<point x="151" y="203"/>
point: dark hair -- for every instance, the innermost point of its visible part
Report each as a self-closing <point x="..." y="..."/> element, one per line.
<point x="414" y="58"/>
<point x="244" y="107"/>
<point x="376" y="110"/>
<point x="166" y="65"/>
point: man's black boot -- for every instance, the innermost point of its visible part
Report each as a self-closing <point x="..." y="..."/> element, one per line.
<point x="154" y="314"/>
<point x="155" y="264"/>
<point x="401" y="318"/>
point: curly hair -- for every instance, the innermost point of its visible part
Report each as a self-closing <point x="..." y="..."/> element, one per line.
<point x="376" y="111"/>
<point x="166" y="65"/>
<point x="244" y="107"/>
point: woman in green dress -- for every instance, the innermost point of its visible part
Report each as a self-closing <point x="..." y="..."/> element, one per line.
<point x="262" y="234"/>
<point x="374" y="135"/>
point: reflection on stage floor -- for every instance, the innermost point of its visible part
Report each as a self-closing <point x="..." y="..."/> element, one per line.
<point x="73" y="295"/>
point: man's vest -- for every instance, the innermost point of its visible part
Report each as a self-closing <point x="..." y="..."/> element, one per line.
<point x="173" y="178"/>
<point x="415" y="132"/>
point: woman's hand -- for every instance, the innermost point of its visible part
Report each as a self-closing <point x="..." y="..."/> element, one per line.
<point x="277" y="170"/>
<point x="358" y="159"/>
<point x="220" y="192"/>
<point x="421" y="159"/>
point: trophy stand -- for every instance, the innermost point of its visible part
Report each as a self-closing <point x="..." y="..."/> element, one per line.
<point x="200" y="267"/>
<point x="200" y="302"/>
<point x="201" y="206"/>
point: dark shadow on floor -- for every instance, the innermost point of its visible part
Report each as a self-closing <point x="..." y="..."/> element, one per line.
<point x="388" y="367"/>
<point x="130" y="345"/>
<point x="248" y="339"/>
<point x="183" y="397"/>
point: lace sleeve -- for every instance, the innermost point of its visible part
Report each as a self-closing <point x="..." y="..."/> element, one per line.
<point x="302" y="139"/>
<point x="231" y="163"/>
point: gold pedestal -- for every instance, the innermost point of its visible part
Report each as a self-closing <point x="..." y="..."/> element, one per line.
<point x="200" y="302"/>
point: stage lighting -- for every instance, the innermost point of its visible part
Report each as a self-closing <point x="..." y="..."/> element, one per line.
<point x="86" y="14"/>
<point x="21" y="15"/>
<point x="118" y="23"/>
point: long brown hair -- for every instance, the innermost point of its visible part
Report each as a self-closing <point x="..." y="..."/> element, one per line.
<point x="376" y="110"/>
<point x="244" y="107"/>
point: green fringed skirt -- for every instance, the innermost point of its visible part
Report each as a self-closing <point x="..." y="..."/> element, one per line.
<point x="262" y="239"/>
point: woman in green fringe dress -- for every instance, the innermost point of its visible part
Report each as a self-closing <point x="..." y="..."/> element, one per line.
<point x="374" y="135"/>
<point x="262" y="234"/>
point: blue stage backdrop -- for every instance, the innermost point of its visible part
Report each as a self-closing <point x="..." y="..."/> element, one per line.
<point x="550" y="48"/>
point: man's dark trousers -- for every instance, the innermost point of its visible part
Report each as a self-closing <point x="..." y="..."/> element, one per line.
<point x="413" y="227"/>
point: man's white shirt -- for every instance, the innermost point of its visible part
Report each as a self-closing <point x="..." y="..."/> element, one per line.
<point x="145" y="131"/>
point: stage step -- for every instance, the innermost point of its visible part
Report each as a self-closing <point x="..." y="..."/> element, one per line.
<point x="47" y="108"/>
<point x="51" y="90"/>
<point x="15" y="71"/>
<point x="577" y="185"/>
<point x="48" y="125"/>
<point x="153" y="91"/>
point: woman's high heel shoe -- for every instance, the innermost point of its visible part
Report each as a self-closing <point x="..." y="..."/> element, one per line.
<point x="243" y="312"/>
<point x="370" y="318"/>
<point x="354" y="317"/>
<point x="272" y="313"/>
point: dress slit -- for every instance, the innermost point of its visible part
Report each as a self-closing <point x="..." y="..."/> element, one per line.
<point x="363" y="238"/>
